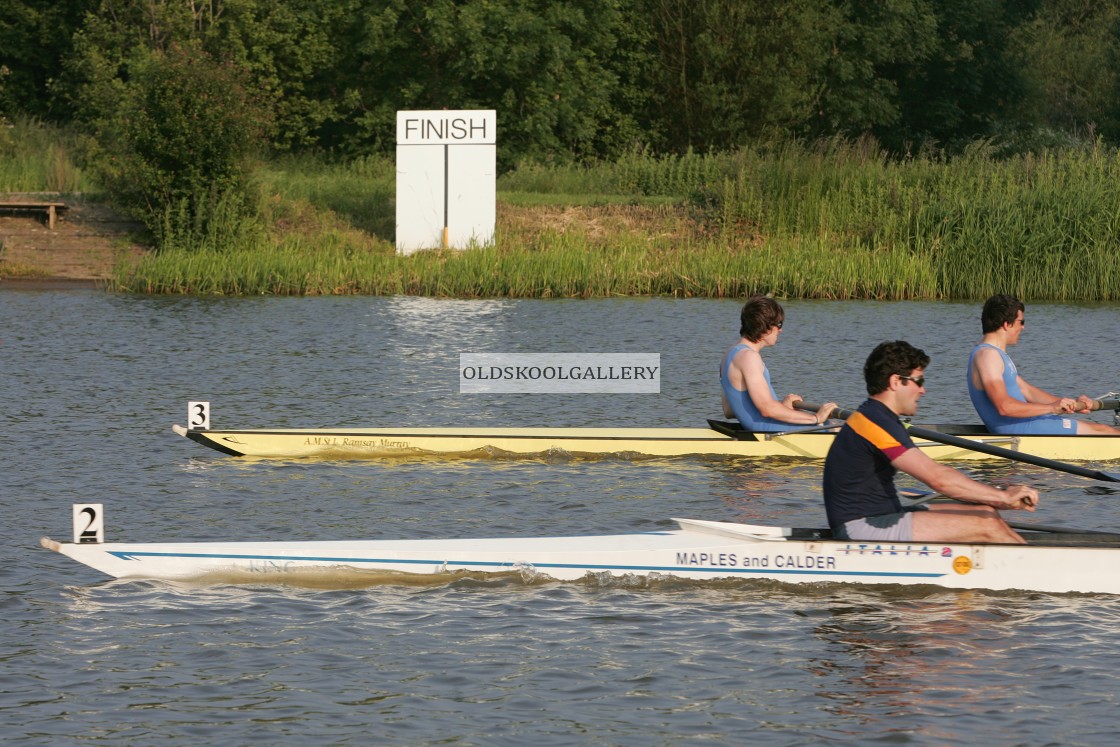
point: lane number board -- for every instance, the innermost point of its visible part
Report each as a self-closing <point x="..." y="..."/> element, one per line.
<point x="89" y="523"/>
<point x="198" y="416"/>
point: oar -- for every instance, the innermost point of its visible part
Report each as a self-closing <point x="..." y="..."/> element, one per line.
<point x="964" y="443"/>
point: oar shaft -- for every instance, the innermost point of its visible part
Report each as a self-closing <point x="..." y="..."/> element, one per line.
<point x="1105" y="404"/>
<point x="1057" y="530"/>
<point x="999" y="451"/>
<point x="983" y="448"/>
<point x="920" y="497"/>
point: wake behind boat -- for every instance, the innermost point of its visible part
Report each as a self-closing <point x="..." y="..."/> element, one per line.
<point x="695" y="549"/>
<point x="719" y="439"/>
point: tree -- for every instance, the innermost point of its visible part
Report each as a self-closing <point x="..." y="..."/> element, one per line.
<point x="35" y="37"/>
<point x="730" y="71"/>
<point x="545" y="66"/>
<point x="872" y="43"/>
<point x="180" y="141"/>
<point x="968" y="84"/>
<point x="1070" y="55"/>
<point x="294" y="53"/>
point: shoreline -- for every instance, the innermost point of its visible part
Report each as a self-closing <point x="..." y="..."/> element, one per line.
<point x="49" y="283"/>
<point x="88" y="241"/>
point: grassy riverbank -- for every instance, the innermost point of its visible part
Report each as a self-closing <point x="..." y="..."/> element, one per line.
<point x="827" y="220"/>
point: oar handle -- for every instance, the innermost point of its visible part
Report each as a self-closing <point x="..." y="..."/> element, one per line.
<point x="839" y="412"/>
<point x="1109" y="404"/>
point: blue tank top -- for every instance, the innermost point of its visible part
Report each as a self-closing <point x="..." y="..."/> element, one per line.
<point x="996" y="423"/>
<point x="748" y="415"/>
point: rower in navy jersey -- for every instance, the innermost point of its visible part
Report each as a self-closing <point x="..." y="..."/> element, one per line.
<point x="747" y="392"/>
<point x="1003" y="399"/>
<point x="860" y="497"/>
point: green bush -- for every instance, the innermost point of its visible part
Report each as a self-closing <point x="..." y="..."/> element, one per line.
<point x="177" y="151"/>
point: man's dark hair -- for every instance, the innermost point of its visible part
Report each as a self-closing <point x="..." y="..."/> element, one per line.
<point x="888" y="358"/>
<point x="758" y="316"/>
<point x="999" y="309"/>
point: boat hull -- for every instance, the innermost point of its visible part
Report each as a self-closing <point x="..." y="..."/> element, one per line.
<point x="698" y="550"/>
<point x="375" y="443"/>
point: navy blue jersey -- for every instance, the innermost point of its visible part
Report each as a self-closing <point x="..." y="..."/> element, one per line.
<point x="858" y="475"/>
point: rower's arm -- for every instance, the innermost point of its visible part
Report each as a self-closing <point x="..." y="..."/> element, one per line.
<point x="988" y="372"/>
<point x="746" y="371"/>
<point x="1034" y="394"/>
<point x="953" y="483"/>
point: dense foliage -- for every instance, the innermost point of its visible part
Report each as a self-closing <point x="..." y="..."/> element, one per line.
<point x="571" y="80"/>
<point x="593" y="78"/>
<point x="175" y="149"/>
<point x="834" y="219"/>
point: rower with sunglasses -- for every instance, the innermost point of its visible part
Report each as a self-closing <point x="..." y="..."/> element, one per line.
<point x="1005" y="401"/>
<point x="745" y="380"/>
<point x="860" y="497"/>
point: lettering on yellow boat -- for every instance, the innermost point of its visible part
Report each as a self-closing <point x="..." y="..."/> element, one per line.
<point x="321" y="441"/>
<point x="374" y="443"/>
<point x="356" y="443"/>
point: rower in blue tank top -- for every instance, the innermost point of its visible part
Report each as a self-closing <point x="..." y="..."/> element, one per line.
<point x="745" y="380"/>
<point x="1005" y="401"/>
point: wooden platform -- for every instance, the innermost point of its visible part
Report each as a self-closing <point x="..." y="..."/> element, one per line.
<point x="52" y="209"/>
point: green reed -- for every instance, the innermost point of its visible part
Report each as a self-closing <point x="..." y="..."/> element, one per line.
<point x="554" y="266"/>
<point x="38" y="157"/>
<point x="833" y="219"/>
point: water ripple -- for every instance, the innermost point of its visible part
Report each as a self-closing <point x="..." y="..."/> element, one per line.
<point x="93" y="382"/>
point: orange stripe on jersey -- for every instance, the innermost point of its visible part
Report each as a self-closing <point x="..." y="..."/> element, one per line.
<point x="878" y="437"/>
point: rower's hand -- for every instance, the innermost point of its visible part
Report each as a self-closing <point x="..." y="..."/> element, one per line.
<point x="826" y="411"/>
<point x="1085" y="404"/>
<point x="1021" y="498"/>
<point x="1064" y="405"/>
<point x="791" y="401"/>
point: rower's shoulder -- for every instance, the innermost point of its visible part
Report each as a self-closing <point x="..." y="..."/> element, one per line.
<point x="740" y="348"/>
<point x="986" y="351"/>
<point x="737" y="351"/>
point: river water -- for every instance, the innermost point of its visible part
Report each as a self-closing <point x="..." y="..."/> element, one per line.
<point x="91" y="384"/>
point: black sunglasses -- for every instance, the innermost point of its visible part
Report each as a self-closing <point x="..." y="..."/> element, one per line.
<point x="919" y="380"/>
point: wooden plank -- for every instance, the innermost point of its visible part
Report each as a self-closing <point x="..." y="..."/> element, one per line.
<point x="52" y="209"/>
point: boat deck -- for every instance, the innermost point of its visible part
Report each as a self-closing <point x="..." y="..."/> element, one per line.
<point x="719" y="439"/>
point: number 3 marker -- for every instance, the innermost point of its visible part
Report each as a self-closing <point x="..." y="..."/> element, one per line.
<point x="198" y="416"/>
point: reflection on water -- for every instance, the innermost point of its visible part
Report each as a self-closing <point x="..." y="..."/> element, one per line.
<point x="91" y="384"/>
<point x="916" y="654"/>
<point x="896" y="660"/>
